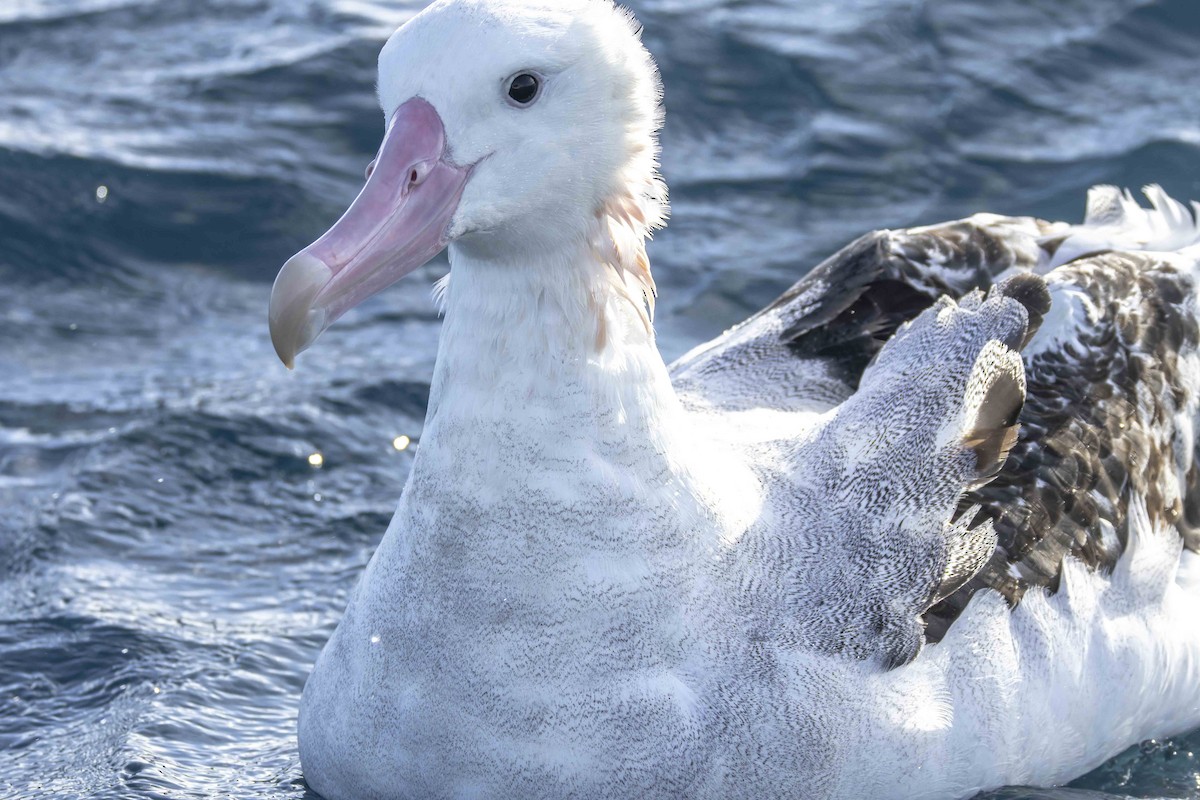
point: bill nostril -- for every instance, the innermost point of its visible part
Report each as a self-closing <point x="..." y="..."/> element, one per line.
<point x="370" y="169"/>
<point x="418" y="173"/>
<point x="415" y="176"/>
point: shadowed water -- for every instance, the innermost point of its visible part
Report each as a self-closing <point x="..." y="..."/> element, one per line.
<point x="171" y="560"/>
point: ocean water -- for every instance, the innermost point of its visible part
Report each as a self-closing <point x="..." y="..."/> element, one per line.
<point x="172" y="556"/>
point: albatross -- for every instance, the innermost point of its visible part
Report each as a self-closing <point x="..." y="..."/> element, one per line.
<point x="924" y="526"/>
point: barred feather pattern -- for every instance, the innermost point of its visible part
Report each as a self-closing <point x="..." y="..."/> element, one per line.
<point x="1111" y="374"/>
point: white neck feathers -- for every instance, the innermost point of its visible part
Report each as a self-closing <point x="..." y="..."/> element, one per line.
<point x="566" y="333"/>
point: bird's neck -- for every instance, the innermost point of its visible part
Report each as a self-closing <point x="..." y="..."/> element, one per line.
<point x="549" y="481"/>
<point x="542" y="432"/>
<point x="559" y="338"/>
<point x="552" y="436"/>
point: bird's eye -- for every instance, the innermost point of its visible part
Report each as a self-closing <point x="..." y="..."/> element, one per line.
<point x="524" y="88"/>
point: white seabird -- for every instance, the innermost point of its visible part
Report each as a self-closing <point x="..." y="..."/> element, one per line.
<point x="923" y="527"/>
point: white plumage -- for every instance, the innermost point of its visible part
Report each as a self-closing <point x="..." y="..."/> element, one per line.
<point x="812" y="559"/>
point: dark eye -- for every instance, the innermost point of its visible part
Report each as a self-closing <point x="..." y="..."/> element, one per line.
<point x="524" y="89"/>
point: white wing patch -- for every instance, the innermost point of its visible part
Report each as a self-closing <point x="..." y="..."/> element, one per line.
<point x="1116" y="221"/>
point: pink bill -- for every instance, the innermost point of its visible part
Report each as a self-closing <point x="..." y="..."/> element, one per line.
<point x="397" y="223"/>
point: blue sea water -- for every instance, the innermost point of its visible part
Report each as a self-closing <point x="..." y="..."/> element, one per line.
<point x="172" y="556"/>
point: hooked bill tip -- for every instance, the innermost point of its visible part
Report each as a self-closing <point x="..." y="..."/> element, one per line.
<point x="295" y="323"/>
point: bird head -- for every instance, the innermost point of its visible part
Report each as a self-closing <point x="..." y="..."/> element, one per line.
<point x="514" y="130"/>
